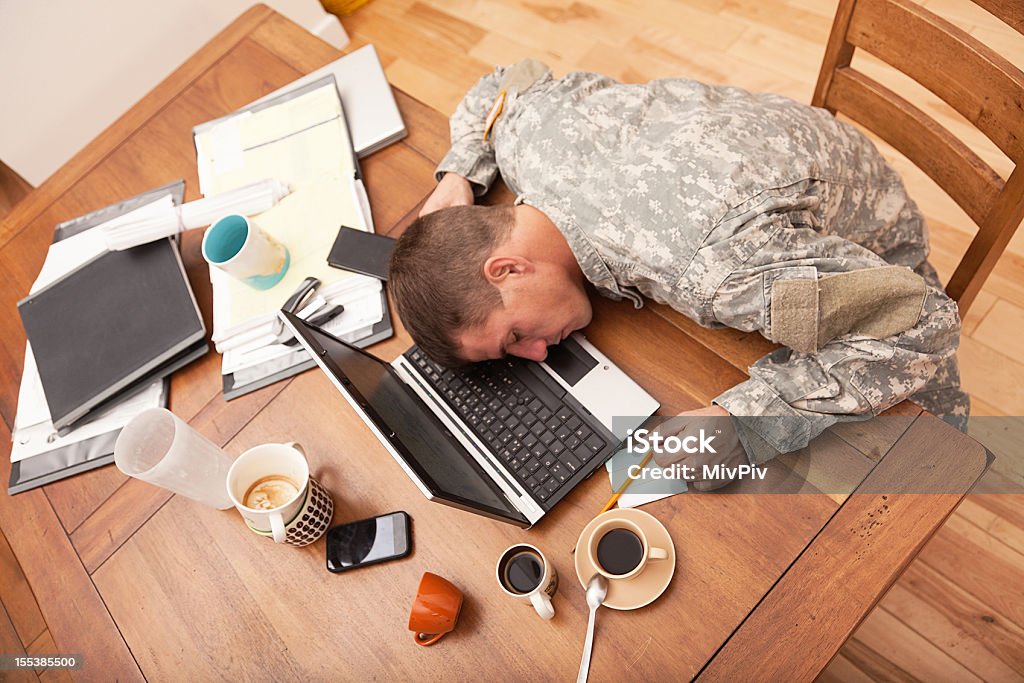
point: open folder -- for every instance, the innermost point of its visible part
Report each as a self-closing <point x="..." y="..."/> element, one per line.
<point x="300" y="136"/>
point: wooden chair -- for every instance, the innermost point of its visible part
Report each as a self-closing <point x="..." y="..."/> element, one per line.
<point x="969" y="76"/>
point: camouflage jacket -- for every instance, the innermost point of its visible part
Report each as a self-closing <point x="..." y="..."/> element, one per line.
<point x="737" y="209"/>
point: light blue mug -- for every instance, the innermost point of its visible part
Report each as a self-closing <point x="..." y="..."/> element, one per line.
<point x="238" y="246"/>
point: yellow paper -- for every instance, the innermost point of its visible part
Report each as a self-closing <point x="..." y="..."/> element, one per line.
<point x="304" y="142"/>
<point x="306" y="222"/>
<point x="299" y="141"/>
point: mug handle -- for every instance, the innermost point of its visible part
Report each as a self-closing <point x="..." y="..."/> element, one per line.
<point x="277" y="526"/>
<point x="430" y="641"/>
<point x="542" y="603"/>
<point x="655" y="553"/>
<point x="297" y="446"/>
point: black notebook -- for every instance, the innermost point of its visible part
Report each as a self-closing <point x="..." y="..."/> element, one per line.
<point x="121" y="318"/>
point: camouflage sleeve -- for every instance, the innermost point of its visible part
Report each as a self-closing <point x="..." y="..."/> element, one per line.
<point x="793" y="395"/>
<point x="470" y="155"/>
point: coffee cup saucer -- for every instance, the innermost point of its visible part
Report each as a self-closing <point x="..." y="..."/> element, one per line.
<point x="644" y="588"/>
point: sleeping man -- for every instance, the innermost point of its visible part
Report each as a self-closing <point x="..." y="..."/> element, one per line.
<point x="743" y="210"/>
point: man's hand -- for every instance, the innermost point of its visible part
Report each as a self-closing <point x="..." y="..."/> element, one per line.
<point x="714" y="421"/>
<point x="453" y="190"/>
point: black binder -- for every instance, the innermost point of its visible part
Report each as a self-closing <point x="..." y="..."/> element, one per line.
<point x="122" y="318"/>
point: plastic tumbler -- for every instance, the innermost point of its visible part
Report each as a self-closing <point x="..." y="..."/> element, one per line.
<point x="159" y="448"/>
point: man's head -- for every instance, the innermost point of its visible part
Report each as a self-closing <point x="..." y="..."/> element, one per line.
<point x="476" y="282"/>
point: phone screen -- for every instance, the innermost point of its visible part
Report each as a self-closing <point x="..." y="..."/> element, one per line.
<point x="368" y="541"/>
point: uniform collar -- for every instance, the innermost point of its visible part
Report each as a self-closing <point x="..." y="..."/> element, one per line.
<point x="593" y="266"/>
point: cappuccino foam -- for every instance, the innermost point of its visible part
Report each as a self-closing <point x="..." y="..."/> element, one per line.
<point x="270" y="492"/>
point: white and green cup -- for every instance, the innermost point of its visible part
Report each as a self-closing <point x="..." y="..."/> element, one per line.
<point x="238" y="246"/>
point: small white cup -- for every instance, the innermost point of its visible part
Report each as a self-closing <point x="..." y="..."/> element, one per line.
<point x="159" y="448"/>
<point x="647" y="553"/>
<point x="238" y="246"/>
<point x="300" y="520"/>
<point x="539" y="595"/>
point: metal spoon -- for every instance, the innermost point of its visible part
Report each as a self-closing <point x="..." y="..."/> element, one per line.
<point x="597" y="590"/>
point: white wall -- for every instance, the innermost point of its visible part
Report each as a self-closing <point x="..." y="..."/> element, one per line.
<point x="70" y="68"/>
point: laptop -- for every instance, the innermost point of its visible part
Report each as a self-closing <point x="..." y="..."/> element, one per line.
<point x="507" y="439"/>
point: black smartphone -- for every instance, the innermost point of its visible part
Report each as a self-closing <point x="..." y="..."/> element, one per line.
<point x="366" y="253"/>
<point x="368" y="541"/>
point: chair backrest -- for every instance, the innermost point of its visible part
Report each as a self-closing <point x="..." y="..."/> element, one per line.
<point x="969" y="76"/>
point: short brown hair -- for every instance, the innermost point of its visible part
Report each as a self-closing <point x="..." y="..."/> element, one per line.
<point x="437" y="277"/>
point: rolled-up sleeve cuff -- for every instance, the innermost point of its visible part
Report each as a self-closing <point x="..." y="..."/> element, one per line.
<point x="765" y="423"/>
<point x="480" y="171"/>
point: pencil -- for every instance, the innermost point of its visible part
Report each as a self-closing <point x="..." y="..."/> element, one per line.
<point x="625" y="485"/>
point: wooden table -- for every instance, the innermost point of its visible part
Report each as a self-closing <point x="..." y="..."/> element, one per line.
<point x="148" y="584"/>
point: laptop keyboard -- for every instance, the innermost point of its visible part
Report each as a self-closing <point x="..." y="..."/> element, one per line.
<point x="541" y="439"/>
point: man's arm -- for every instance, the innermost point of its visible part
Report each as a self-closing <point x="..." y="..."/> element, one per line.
<point x="452" y="190"/>
<point x="471" y="156"/>
<point x="849" y="366"/>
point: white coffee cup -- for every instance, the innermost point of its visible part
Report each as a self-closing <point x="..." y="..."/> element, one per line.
<point x="238" y="246"/>
<point x="536" y="585"/>
<point x="297" y="520"/>
<point x="640" y="554"/>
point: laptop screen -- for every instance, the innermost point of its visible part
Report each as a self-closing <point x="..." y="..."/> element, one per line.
<point x="425" y="444"/>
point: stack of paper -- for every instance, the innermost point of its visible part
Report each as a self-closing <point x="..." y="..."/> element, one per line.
<point x="41" y="453"/>
<point x="300" y="137"/>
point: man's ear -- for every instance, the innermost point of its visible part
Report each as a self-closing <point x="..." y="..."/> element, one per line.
<point x="497" y="269"/>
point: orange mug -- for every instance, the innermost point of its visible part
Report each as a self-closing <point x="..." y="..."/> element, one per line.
<point x="435" y="609"/>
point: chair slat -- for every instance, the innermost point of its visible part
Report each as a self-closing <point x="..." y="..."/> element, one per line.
<point x="983" y="86"/>
<point x="993" y="235"/>
<point x="838" y="53"/>
<point x="932" y="148"/>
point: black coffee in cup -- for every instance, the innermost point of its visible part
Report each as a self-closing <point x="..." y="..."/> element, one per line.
<point x="523" y="572"/>
<point x="620" y="551"/>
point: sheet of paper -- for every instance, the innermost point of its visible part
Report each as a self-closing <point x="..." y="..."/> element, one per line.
<point x="359" y="314"/>
<point x="256" y="373"/>
<point x="346" y="289"/>
<point x="68" y="254"/>
<point x="643" y="490"/>
<point x="370" y="108"/>
<point x="306" y="222"/>
<point x="299" y="141"/>
<point x="369" y="289"/>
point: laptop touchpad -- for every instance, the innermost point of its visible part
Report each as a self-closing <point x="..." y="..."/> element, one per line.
<point x="570" y="361"/>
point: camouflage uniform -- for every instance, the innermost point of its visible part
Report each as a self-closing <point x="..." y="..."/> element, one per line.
<point x="704" y="198"/>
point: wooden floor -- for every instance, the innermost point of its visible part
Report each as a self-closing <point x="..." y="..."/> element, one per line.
<point x="958" y="612"/>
